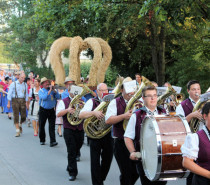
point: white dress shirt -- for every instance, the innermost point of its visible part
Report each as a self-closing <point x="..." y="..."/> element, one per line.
<point x="130" y="131"/>
<point x="180" y="110"/>
<point x="88" y="106"/>
<point x="190" y="148"/>
<point x="60" y="106"/>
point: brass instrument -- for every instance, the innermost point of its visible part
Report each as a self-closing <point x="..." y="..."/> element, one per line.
<point x="170" y="91"/>
<point x="195" y="123"/>
<point x="179" y="98"/>
<point x="117" y="89"/>
<point x="132" y="102"/>
<point x="95" y="128"/>
<point x="77" y="104"/>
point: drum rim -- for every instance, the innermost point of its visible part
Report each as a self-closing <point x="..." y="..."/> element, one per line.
<point x="159" y="148"/>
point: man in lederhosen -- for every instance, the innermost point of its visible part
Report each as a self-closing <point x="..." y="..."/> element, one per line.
<point x="18" y="94"/>
<point x="101" y="150"/>
<point x="73" y="134"/>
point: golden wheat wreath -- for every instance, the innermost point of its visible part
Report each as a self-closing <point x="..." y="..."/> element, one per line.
<point x="101" y="60"/>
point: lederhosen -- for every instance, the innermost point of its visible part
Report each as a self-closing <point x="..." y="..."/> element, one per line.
<point x="127" y="167"/>
<point x="19" y="106"/>
<point x="74" y="137"/>
<point x="101" y="154"/>
<point x="140" y="115"/>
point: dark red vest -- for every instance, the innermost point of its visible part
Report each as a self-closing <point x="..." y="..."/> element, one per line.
<point x="204" y="150"/>
<point x="66" y="124"/>
<point x="140" y="115"/>
<point x="96" y="102"/>
<point x="118" y="130"/>
<point x="187" y="106"/>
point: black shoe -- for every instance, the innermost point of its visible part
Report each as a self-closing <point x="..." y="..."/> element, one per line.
<point x="53" y="144"/>
<point x="78" y="159"/>
<point x="72" y="178"/>
<point x="42" y="143"/>
<point x="9" y="117"/>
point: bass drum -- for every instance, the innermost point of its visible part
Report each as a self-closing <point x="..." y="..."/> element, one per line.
<point x="161" y="139"/>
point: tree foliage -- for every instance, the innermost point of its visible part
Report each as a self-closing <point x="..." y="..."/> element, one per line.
<point x="163" y="40"/>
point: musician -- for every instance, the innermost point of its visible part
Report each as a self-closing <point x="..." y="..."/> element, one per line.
<point x="132" y="133"/>
<point x="101" y="150"/>
<point x="67" y="82"/>
<point x="186" y="107"/>
<point x="115" y="116"/>
<point x="73" y="134"/>
<point x="47" y="100"/>
<point x="197" y="148"/>
<point x="138" y="79"/>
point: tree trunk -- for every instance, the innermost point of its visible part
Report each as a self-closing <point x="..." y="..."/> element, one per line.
<point x="162" y="63"/>
<point x="157" y="41"/>
<point x="43" y="59"/>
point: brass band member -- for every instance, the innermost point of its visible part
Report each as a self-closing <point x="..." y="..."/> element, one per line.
<point x="101" y="150"/>
<point x="18" y="94"/>
<point x="115" y="115"/>
<point x="197" y="148"/>
<point x="132" y="133"/>
<point x="73" y="134"/>
<point x="186" y="108"/>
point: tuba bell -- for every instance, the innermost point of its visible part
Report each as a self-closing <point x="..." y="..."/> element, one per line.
<point x="77" y="104"/>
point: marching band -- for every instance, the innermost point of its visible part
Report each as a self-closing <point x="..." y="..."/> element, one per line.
<point x="133" y="145"/>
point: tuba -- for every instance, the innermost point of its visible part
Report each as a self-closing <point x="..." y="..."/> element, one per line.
<point x="95" y="128"/>
<point x="77" y="104"/>
<point x="195" y="123"/>
<point x="161" y="99"/>
<point x="133" y="101"/>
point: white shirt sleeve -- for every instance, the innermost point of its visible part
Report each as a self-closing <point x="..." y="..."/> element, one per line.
<point x="111" y="109"/>
<point x="130" y="129"/>
<point x="30" y="93"/>
<point x="179" y="110"/>
<point x="88" y="106"/>
<point x="190" y="147"/>
<point x="60" y="106"/>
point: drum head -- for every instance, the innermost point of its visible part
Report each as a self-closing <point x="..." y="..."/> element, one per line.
<point x="149" y="148"/>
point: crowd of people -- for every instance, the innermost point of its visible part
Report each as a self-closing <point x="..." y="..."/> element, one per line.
<point x="39" y="101"/>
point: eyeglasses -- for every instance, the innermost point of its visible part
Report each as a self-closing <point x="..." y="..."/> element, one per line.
<point x="150" y="96"/>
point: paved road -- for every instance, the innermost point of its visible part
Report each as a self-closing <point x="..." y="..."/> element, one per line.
<point x="23" y="161"/>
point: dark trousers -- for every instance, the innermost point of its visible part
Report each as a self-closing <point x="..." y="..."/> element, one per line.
<point x="189" y="179"/>
<point x="74" y="140"/>
<point x="45" y="114"/>
<point x="101" y="154"/>
<point x="127" y="167"/>
<point x="144" y="179"/>
<point x="200" y="180"/>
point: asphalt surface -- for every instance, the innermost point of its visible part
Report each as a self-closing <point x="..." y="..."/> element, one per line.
<point x="23" y="161"/>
